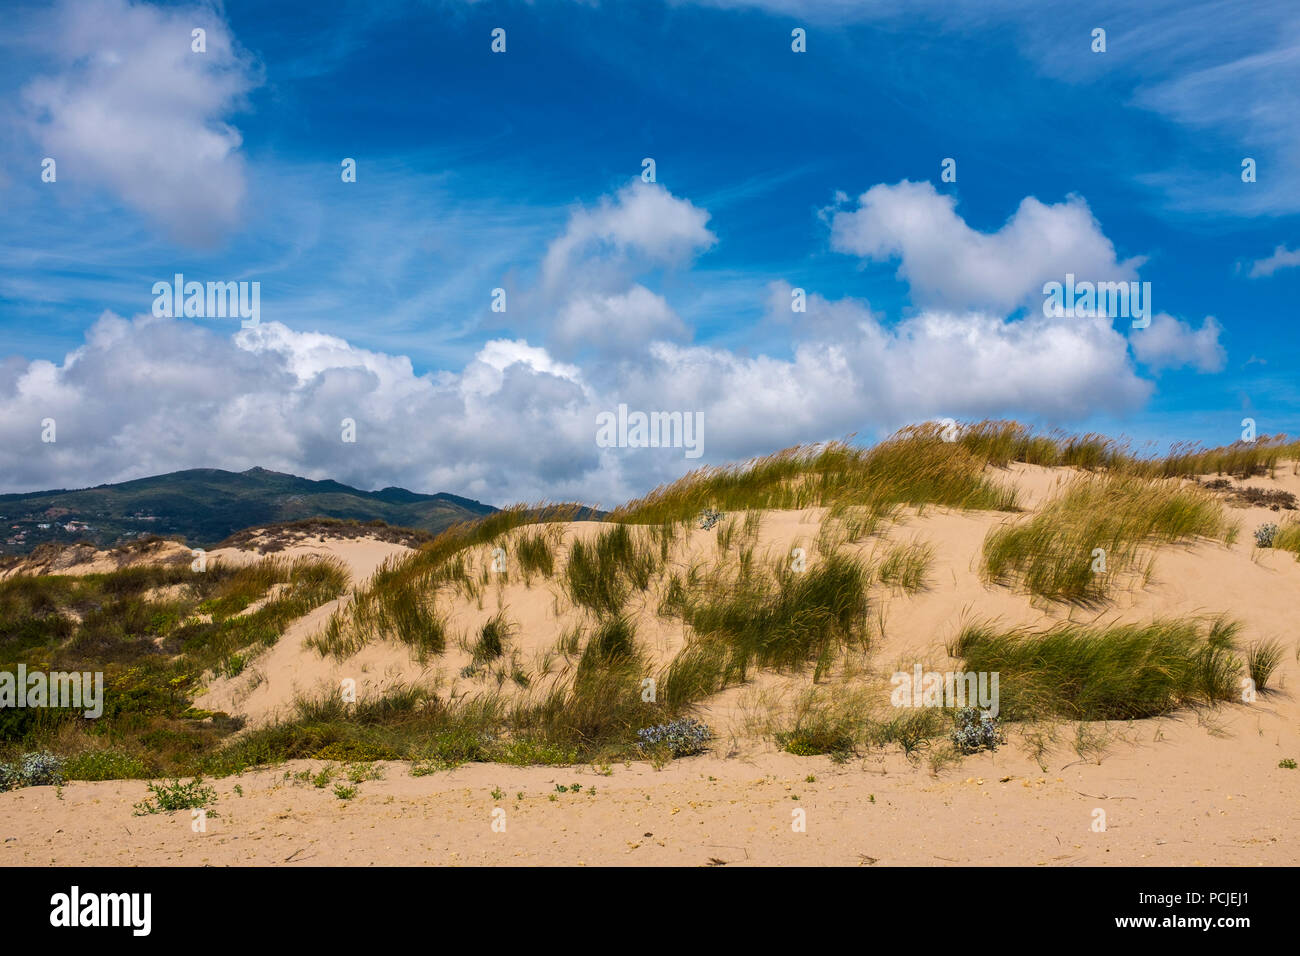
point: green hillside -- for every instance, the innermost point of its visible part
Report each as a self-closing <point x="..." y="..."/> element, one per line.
<point x="206" y="505"/>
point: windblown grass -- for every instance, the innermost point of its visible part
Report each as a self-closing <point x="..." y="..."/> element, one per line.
<point x="845" y="721"/>
<point x="1288" y="538"/>
<point x="848" y="524"/>
<point x="613" y="643"/>
<point x="492" y="640"/>
<point x="601" y="574"/>
<point x="770" y="618"/>
<point x="400" y="599"/>
<point x="1262" y="659"/>
<point x="1053" y="553"/>
<point x="536" y="554"/>
<point x="823" y="724"/>
<point x="593" y="717"/>
<point x="1001" y="442"/>
<point x="913" y="467"/>
<point x="156" y="641"/>
<point x="404" y="609"/>
<point x="299" y="586"/>
<point x="599" y="713"/>
<point x="1116" y="672"/>
<point x="906" y="566"/>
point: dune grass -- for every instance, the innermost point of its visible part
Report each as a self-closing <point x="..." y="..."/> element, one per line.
<point x="535" y="554"/>
<point x="492" y="639"/>
<point x="906" y="566"/>
<point x="123" y="620"/>
<point x="744" y="614"/>
<point x="916" y="466"/>
<point x="770" y="617"/>
<point x="1288" y="538"/>
<point x="404" y="608"/>
<point x="1053" y="554"/>
<point x="1002" y="442"/>
<point x="488" y="530"/>
<point x="823" y="724"/>
<point x="593" y="717"/>
<point x="913" y="467"/>
<point x="153" y="649"/>
<point x="863" y="487"/>
<point x="848" y="523"/>
<point x="1262" y="659"/>
<point x="602" y="573"/>
<point x="400" y="600"/>
<point x="1116" y="672"/>
<point x="299" y="586"/>
<point x="846" y="720"/>
<point x="613" y="642"/>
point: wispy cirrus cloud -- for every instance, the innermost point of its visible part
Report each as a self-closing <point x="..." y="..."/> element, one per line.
<point x="1282" y="258"/>
<point x="1226" y="73"/>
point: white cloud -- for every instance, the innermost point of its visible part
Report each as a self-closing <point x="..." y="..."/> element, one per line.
<point x="643" y="219"/>
<point x="1169" y="343"/>
<point x="589" y="300"/>
<point x="486" y="375"/>
<point x="821" y="320"/>
<point x="967" y="365"/>
<point x="949" y="265"/>
<point x="518" y="421"/>
<point x="134" y="109"/>
<point x="1282" y="258"/>
<point x="151" y="395"/>
<point x="617" y="322"/>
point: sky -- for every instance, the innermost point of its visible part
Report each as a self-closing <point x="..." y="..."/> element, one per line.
<point x="778" y="174"/>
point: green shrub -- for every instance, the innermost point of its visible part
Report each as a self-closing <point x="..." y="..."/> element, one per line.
<point x="168" y="797"/>
<point x="105" y="765"/>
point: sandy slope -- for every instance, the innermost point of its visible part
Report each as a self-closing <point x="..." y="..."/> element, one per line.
<point x="85" y="559"/>
<point x="1189" y="798"/>
<point x="1182" y="790"/>
<point x="272" y="681"/>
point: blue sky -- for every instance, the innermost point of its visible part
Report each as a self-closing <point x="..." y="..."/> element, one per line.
<point x="521" y="170"/>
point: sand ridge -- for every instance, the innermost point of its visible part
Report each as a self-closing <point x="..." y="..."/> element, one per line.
<point x="1191" y="788"/>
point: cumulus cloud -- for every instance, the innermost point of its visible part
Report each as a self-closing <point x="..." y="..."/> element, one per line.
<point x="131" y="107"/>
<point x="871" y="375"/>
<point x="947" y="264"/>
<point x="1169" y="343"/>
<point x="642" y="219"/>
<point x="519" y="420"/>
<point x="589" y="300"/>
<point x="617" y="322"/>
<point x="149" y="395"/>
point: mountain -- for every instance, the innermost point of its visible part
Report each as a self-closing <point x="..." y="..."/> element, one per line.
<point x="206" y="505"/>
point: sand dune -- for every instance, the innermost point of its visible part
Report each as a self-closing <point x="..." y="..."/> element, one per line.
<point x="1195" y="787"/>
